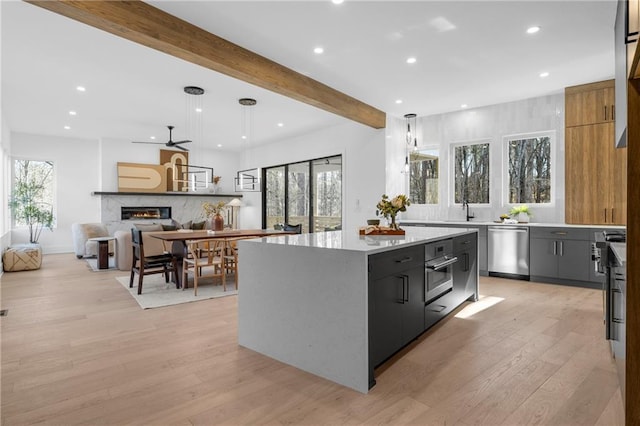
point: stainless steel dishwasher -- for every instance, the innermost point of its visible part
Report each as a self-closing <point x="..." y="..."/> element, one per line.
<point x="508" y="251"/>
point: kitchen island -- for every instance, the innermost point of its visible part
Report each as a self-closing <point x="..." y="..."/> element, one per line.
<point x="337" y="304"/>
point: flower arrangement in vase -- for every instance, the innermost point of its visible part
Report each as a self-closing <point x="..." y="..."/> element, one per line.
<point x="389" y="208"/>
<point x="213" y="211"/>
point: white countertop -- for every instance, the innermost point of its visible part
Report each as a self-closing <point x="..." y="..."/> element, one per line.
<point x="368" y="244"/>
<point x="485" y="223"/>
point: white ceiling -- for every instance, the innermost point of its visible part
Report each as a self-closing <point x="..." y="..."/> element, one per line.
<point x="133" y="92"/>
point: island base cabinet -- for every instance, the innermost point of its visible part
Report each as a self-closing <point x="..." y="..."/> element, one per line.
<point x="397" y="312"/>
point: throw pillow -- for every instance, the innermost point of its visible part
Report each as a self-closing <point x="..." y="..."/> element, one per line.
<point x="198" y="225"/>
<point x="169" y="227"/>
<point x="148" y="227"/>
<point x="186" y="225"/>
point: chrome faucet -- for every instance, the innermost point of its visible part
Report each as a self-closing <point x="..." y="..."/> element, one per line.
<point x="465" y="203"/>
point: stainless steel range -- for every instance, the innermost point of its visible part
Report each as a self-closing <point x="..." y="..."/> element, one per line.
<point x="604" y="262"/>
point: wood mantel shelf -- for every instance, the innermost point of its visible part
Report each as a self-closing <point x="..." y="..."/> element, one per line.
<point x="156" y="194"/>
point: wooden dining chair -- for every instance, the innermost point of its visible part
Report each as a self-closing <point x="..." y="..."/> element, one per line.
<point x="230" y="258"/>
<point x="205" y="261"/>
<point x="147" y="265"/>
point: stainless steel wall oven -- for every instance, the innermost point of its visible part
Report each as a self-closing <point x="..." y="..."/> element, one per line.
<point x="438" y="269"/>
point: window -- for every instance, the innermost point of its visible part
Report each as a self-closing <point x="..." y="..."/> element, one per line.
<point x="471" y="173"/>
<point x="307" y="193"/>
<point x="529" y="179"/>
<point x="423" y="176"/>
<point x="32" y="195"/>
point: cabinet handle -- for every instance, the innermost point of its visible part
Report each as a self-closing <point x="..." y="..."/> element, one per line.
<point x="612" y="217"/>
<point x="401" y="300"/>
<point x="605" y="113"/>
<point x="405" y="260"/>
<point x="561" y="248"/>
<point x="613" y="112"/>
<point x="405" y="288"/>
<point x="555" y="248"/>
<point x="605" y="215"/>
<point x="559" y="233"/>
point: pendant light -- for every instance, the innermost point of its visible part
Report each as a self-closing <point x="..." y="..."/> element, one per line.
<point x="196" y="177"/>
<point x="247" y="180"/>
<point x="411" y="139"/>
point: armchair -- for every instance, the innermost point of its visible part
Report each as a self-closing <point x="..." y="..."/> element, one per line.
<point x="81" y="233"/>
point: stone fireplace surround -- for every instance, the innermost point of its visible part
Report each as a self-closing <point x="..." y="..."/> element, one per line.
<point x="184" y="207"/>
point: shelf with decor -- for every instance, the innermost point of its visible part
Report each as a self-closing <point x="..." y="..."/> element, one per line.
<point x="155" y="194"/>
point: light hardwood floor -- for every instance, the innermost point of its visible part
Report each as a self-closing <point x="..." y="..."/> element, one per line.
<point x="77" y="349"/>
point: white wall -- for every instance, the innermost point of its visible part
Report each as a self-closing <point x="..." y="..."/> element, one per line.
<point x="363" y="156"/>
<point x="491" y="123"/>
<point x="75" y="166"/>
<point x="5" y="186"/>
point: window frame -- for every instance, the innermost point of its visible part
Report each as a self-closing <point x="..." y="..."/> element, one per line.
<point x="452" y="170"/>
<point x="551" y="134"/>
<point x="311" y="207"/>
<point x="437" y="147"/>
<point x="54" y="188"/>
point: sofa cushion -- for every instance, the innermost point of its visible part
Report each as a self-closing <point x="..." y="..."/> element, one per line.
<point x="148" y="227"/>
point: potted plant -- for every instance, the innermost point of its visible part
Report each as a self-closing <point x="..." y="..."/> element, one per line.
<point x="521" y="213"/>
<point x="27" y="208"/>
<point x="213" y="211"/>
<point x="389" y="208"/>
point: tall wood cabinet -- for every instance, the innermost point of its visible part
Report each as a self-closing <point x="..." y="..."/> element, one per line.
<point x="595" y="171"/>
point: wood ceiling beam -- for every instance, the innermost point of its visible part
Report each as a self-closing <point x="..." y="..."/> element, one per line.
<point x="144" y="24"/>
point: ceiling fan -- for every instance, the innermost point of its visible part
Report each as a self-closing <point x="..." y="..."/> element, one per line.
<point x="170" y="143"/>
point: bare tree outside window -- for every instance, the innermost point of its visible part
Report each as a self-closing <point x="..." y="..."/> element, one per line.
<point x="530" y="170"/>
<point x="423" y="176"/>
<point x="471" y="168"/>
<point x="274" y="194"/>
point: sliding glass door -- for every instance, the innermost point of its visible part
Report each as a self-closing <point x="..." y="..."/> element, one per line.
<point x="307" y="193"/>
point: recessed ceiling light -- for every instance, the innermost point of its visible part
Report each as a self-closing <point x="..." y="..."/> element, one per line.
<point x="81" y="89"/>
<point x="533" y="30"/>
<point x="67" y="127"/>
<point x="464" y="106"/>
<point x="243" y="137"/>
<point x="219" y="145"/>
<point x="411" y="60"/>
<point x="280" y="124"/>
<point x="152" y="137"/>
<point x="72" y="113"/>
<point x="198" y="109"/>
<point x="398" y="101"/>
<point x="318" y="50"/>
<point x="337" y="1"/>
<point x="544" y="74"/>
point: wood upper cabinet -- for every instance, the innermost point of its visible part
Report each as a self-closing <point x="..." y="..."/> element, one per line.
<point x="595" y="176"/>
<point x="590" y="104"/>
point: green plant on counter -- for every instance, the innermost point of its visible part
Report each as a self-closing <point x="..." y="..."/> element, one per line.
<point x="516" y="210"/>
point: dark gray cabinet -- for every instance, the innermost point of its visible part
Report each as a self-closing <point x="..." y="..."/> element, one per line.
<point x="396" y="301"/>
<point x="561" y="255"/>
<point x="464" y="279"/>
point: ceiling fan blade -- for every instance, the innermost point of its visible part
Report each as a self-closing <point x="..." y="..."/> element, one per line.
<point x="147" y="142"/>
<point x="184" y="141"/>
<point x="179" y="147"/>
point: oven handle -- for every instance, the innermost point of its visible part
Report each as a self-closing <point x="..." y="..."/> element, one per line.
<point x="607" y="307"/>
<point x="444" y="264"/>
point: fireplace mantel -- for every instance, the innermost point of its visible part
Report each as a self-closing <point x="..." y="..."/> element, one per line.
<point x="162" y="194"/>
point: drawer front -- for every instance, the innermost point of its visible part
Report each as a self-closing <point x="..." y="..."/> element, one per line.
<point x="464" y="243"/>
<point x="556" y="233"/>
<point x="383" y="264"/>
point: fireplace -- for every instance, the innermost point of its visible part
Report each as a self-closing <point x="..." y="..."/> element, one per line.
<point x="128" y="213"/>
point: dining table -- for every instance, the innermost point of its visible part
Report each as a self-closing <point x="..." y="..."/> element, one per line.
<point x="180" y="237"/>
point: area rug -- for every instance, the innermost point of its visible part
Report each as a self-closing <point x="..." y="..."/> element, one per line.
<point x="93" y="264"/>
<point x="156" y="293"/>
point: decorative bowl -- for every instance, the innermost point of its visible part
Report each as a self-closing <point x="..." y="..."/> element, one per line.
<point x="374" y="222"/>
